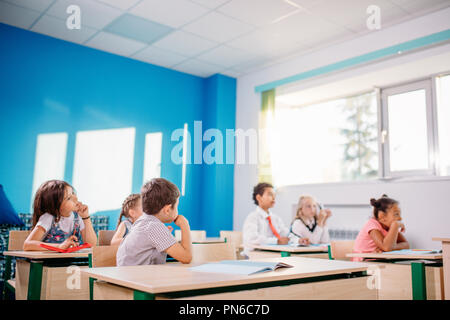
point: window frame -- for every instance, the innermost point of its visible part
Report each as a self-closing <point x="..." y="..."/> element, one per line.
<point x="427" y="85"/>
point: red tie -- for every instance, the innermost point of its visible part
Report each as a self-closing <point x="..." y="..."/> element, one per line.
<point x="273" y="228"/>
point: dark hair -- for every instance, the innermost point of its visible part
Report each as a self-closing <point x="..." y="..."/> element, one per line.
<point x="382" y="204"/>
<point x="48" y="199"/>
<point x="259" y="189"/>
<point x="158" y="193"/>
<point x="130" y="202"/>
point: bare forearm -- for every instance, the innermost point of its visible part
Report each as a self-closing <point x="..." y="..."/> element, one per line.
<point x="34" y="245"/>
<point x="91" y="237"/>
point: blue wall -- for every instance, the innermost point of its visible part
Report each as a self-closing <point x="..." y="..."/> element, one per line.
<point x="48" y="85"/>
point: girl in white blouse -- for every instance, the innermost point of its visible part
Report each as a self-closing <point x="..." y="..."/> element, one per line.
<point x="310" y="221"/>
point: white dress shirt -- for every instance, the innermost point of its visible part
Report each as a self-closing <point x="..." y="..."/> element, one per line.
<point x="256" y="230"/>
<point x="319" y="235"/>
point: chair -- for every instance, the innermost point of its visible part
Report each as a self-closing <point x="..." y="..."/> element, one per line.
<point x="105" y="236"/>
<point x="101" y="256"/>
<point x="104" y="256"/>
<point x="234" y="237"/>
<point x="15" y="243"/>
<point x="208" y="252"/>
<point x="196" y="235"/>
<point x="339" y="249"/>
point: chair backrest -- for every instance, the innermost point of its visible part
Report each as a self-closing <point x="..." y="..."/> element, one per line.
<point x="105" y="236"/>
<point x="208" y="252"/>
<point x="104" y="256"/>
<point x="234" y="237"/>
<point x="196" y="235"/>
<point x="340" y="248"/>
<point x="17" y="238"/>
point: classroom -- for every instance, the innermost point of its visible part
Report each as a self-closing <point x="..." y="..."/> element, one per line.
<point x="224" y="150"/>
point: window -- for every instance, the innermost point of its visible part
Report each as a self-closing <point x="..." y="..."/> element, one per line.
<point x="407" y="129"/>
<point x="327" y="142"/>
<point x="50" y="159"/>
<point x="443" y="117"/>
<point x="395" y="132"/>
<point x="152" y="157"/>
<point x="103" y="167"/>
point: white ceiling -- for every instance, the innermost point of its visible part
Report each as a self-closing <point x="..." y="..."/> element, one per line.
<point x="204" y="37"/>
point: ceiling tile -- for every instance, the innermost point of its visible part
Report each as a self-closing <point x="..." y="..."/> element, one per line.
<point x="159" y="57"/>
<point x="218" y="27"/>
<point x="57" y="28"/>
<point x="115" y="44"/>
<point x="198" y="68"/>
<point x="257" y="12"/>
<point x="306" y="29"/>
<point x="416" y="6"/>
<point x="38" y="5"/>
<point x="137" y="28"/>
<point x="231" y="73"/>
<point x="93" y="14"/>
<point x="185" y="43"/>
<point x="173" y="13"/>
<point x="17" y="16"/>
<point x="121" y="4"/>
<point x="352" y="13"/>
<point x="212" y="4"/>
<point x="226" y="56"/>
<point x="307" y="4"/>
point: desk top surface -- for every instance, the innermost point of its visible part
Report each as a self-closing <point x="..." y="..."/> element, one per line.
<point x="84" y="253"/>
<point x="210" y="240"/>
<point x="292" y="249"/>
<point x="171" y="278"/>
<point x="373" y="255"/>
<point x="443" y="239"/>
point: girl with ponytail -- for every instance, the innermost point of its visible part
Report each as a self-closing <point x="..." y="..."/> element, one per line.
<point x="131" y="210"/>
<point x="384" y="231"/>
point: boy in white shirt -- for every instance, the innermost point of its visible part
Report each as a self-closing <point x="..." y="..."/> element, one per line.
<point x="262" y="226"/>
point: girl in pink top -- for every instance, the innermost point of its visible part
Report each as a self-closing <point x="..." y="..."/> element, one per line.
<point x="383" y="232"/>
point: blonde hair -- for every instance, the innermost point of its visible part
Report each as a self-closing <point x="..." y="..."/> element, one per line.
<point x="129" y="203"/>
<point x="302" y="198"/>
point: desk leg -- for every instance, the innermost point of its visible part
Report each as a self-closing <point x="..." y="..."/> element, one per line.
<point x="330" y="256"/>
<point x="419" y="285"/>
<point x="285" y="254"/>
<point x="6" y="276"/>
<point x="139" y="295"/>
<point x="35" y="280"/>
<point x="91" y="280"/>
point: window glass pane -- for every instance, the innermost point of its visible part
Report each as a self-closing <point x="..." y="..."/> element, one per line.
<point x="327" y="142"/>
<point x="50" y="159"/>
<point x="152" y="158"/>
<point x="443" y="106"/>
<point x="103" y="167"/>
<point x="408" y="144"/>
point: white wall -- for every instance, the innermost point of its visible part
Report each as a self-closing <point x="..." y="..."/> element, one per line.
<point x="424" y="203"/>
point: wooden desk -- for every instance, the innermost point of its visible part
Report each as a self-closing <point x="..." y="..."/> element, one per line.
<point x="210" y="240"/>
<point x="446" y="261"/>
<point x="418" y="272"/>
<point x="46" y="264"/>
<point x="287" y="250"/>
<point x="308" y="279"/>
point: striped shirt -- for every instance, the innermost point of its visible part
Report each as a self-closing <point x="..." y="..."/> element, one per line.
<point x="146" y="243"/>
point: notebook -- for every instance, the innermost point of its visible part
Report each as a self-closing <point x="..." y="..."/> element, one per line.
<point x="83" y="246"/>
<point x="413" y="251"/>
<point x="244" y="267"/>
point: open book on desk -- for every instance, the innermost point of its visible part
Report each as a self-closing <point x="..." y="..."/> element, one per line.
<point x="245" y="267"/>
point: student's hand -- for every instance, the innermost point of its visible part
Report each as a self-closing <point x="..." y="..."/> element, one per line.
<point x="181" y="221"/>
<point x="378" y="250"/>
<point x="82" y="210"/>
<point x="283" y="240"/>
<point x="71" y="241"/>
<point x="304" y="241"/>
<point x="398" y="224"/>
